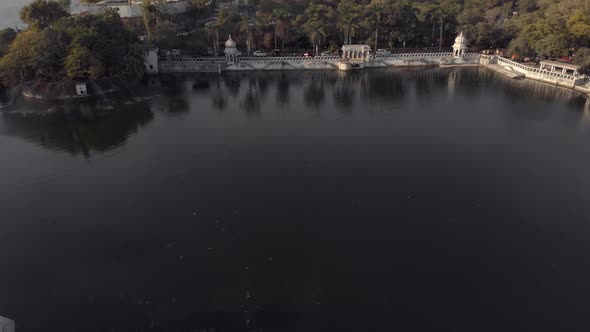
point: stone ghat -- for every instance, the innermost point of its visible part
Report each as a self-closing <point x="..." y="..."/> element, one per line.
<point x="444" y="59"/>
<point x="517" y="70"/>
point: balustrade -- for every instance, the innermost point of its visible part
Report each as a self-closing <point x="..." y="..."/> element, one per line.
<point x="539" y="71"/>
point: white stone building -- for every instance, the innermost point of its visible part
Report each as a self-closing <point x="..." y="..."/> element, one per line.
<point x="460" y="46"/>
<point x="231" y="51"/>
<point x="150" y="59"/>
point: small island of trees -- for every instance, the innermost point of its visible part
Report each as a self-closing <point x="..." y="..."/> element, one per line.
<point x="57" y="46"/>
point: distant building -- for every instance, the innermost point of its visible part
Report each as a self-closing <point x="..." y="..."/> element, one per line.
<point x="132" y="8"/>
<point x="232" y="5"/>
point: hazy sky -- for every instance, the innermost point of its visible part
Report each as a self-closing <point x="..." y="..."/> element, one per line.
<point x="9" y="12"/>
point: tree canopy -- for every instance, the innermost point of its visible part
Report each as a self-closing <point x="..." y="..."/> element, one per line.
<point x="526" y="27"/>
<point x="58" y="47"/>
<point x="6" y="37"/>
<point x="41" y="14"/>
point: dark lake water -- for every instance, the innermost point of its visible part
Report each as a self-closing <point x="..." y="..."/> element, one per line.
<point x="386" y="200"/>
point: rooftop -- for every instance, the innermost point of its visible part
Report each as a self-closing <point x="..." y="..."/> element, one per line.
<point x="560" y="64"/>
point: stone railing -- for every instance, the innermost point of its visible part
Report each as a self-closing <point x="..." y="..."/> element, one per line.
<point x="191" y="59"/>
<point x="413" y="55"/>
<point x="472" y="56"/>
<point x="289" y="59"/>
<point x="539" y="71"/>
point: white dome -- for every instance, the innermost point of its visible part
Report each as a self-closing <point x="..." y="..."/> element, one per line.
<point x="460" y="39"/>
<point x="230" y="43"/>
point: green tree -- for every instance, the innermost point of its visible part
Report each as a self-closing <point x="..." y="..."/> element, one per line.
<point x="35" y="55"/>
<point x="445" y="14"/>
<point x="546" y="38"/>
<point x="317" y="35"/>
<point x="402" y="22"/>
<point x="375" y="13"/>
<point x="526" y="6"/>
<point x="133" y="61"/>
<point x="214" y="28"/>
<point x="65" y="4"/>
<point x="18" y="60"/>
<point x="552" y="45"/>
<point x="519" y="46"/>
<point x="282" y="24"/>
<point x="42" y="14"/>
<point x="349" y="14"/>
<point x="87" y="46"/>
<point x="246" y="29"/>
<point x="82" y="63"/>
<point x="578" y="25"/>
<point x="6" y="37"/>
<point x="582" y="58"/>
<point x="318" y="19"/>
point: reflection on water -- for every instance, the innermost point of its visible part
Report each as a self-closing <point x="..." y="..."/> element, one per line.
<point x="378" y="200"/>
<point x="79" y="131"/>
<point x="107" y="123"/>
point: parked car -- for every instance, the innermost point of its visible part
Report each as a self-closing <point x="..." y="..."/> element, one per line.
<point x="307" y="55"/>
<point x="275" y="53"/>
<point x="258" y="53"/>
<point x="173" y="53"/>
<point x="382" y="52"/>
<point x="325" y="53"/>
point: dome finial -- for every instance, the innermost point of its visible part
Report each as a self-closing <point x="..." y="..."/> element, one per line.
<point x="230" y="43"/>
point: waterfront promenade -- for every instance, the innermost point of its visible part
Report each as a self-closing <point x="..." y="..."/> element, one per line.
<point x="496" y="63"/>
<point x="358" y="55"/>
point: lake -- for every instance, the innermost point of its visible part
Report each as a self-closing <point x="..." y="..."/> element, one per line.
<point x="381" y="200"/>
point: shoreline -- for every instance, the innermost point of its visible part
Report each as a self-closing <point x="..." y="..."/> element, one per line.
<point x="499" y="65"/>
<point x="495" y="63"/>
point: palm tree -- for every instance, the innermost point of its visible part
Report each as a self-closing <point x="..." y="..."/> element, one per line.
<point x="316" y="34"/>
<point x="245" y="28"/>
<point x="281" y="22"/>
<point x="432" y="11"/>
<point x="441" y="12"/>
<point x="377" y="7"/>
<point x="213" y="28"/>
<point x="317" y="22"/>
<point x="348" y="14"/>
